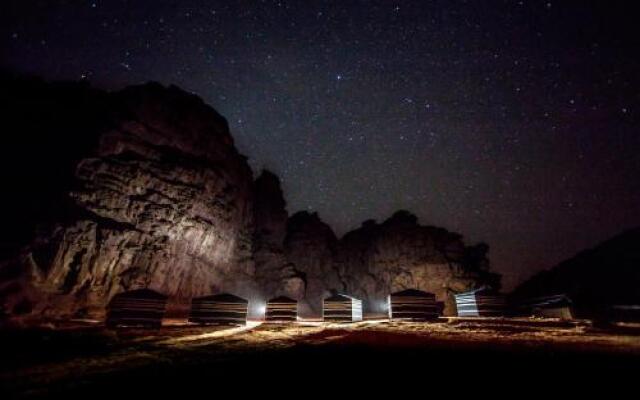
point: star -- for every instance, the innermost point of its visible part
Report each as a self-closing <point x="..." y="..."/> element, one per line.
<point x="427" y="100"/>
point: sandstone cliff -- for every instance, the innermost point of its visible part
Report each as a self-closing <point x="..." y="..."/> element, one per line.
<point x="161" y="199"/>
<point x="145" y="188"/>
<point x="377" y="259"/>
<point x="310" y="247"/>
<point x="274" y="274"/>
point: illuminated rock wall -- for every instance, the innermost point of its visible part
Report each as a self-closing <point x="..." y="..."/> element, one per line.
<point x="163" y="201"/>
<point x="143" y="188"/>
<point x="377" y="259"/>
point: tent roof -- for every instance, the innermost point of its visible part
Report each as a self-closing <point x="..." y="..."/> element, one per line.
<point x="559" y="300"/>
<point x="413" y="293"/>
<point x="140" y="294"/>
<point x="282" y="299"/>
<point x="226" y="297"/>
<point x="482" y="290"/>
<point x="340" y="297"/>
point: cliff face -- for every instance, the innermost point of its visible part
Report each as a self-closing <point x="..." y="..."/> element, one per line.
<point x="162" y="200"/>
<point x="377" y="259"/>
<point x="310" y="247"/>
<point x="274" y="275"/>
<point x="144" y="188"/>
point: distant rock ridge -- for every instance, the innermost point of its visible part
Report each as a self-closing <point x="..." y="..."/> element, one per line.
<point x="377" y="259"/>
<point x="144" y="188"/>
<point x="595" y="279"/>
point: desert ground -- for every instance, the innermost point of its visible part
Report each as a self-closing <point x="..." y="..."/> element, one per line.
<point x="90" y="361"/>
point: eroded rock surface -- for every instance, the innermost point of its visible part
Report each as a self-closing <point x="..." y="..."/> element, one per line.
<point x="377" y="259"/>
<point x="274" y="274"/>
<point x="144" y="188"/>
<point x="310" y="248"/>
<point x="163" y="201"/>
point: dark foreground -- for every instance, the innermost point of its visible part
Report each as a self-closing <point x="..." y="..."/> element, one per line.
<point x="457" y="356"/>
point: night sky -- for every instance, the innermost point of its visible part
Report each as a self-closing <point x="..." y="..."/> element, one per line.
<point x="512" y="122"/>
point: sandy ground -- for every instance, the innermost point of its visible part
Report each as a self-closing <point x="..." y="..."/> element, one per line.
<point x="48" y="363"/>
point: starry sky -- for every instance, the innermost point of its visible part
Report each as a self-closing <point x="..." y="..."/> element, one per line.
<point x="511" y="122"/>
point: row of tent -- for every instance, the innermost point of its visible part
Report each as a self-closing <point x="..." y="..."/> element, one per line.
<point x="145" y="307"/>
<point x="485" y="302"/>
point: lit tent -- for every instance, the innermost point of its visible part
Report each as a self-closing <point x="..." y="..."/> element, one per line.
<point x="282" y="309"/>
<point x="141" y="307"/>
<point x="224" y="308"/>
<point x="342" y="308"/>
<point x="483" y="302"/>
<point x="413" y="304"/>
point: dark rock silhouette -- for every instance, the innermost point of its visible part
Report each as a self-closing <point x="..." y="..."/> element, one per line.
<point x="595" y="279"/>
<point x="310" y="248"/>
<point x="144" y="188"/>
<point x="275" y="276"/>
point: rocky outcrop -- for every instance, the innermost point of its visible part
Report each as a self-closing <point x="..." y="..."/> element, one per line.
<point x="377" y="259"/>
<point x="162" y="201"/>
<point x="275" y="276"/>
<point x="595" y="279"/>
<point x="310" y="247"/>
<point x="144" y="188"/>
<point x="270" y="213"/>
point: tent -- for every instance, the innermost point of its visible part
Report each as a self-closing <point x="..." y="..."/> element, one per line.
<point x="483" y="302"/>
<point x="141" y="307"/>
<point x="342" y="308"/>
<point x="556" y="306"/>
<point x="413" y="304"/>
<point x="224" y="308"/>
<point x="281" y="309"/>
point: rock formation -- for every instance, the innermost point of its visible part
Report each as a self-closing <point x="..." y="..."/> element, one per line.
<point x="144" y="188"/>
<point x="275" y="276"/>
<point x="377" y="259"/>
<point x="310" y="249"/>
<point x="594" y="279"/>
<point x="163" y="200"/>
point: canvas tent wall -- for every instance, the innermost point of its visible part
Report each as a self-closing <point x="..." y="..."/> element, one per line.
<point x="481" y="302"/>
<point x="141" y="307"/>
<point x="342" y="308"/>
<point x="412" y="304"/>
<point x="281" y="309"/>
<point x="555" y="306"/>
<point x="224" y="308"/>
